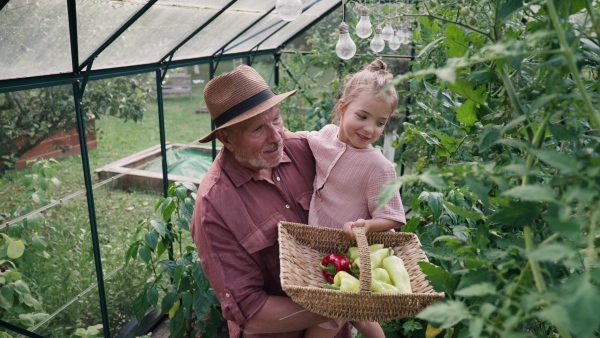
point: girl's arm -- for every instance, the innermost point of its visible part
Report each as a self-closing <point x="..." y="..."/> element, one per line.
<point x="371" y="225"/>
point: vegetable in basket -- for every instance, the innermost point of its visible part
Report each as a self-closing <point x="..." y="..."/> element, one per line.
<point x="334" y="263"/>
<point x="394" y="265"/>
<point x="345" y="282"/>
<point x="377" y="257"/>
<point x="353" y="253"/>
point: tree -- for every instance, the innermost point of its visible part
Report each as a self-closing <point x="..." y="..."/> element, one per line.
<point x="29" y="117"/>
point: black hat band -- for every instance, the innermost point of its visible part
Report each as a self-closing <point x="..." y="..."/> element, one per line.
<point x="243" y="106"/>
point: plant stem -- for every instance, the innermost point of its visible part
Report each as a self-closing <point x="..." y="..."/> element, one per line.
<point x="592" y="254"/>
<point x="536" y="144"/>
<point x="594" y="115"/>
<point x="512" y="95"/>
<point x="535" y="268"/>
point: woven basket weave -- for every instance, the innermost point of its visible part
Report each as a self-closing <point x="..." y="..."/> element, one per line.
<point x="301" y="249"/>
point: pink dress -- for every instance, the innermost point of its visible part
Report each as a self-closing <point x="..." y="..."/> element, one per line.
<point x="348" y="182"/>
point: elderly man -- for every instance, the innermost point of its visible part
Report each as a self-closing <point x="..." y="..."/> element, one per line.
<point x="262" y="175"/>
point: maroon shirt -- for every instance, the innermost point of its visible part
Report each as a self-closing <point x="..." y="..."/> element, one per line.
<point x="234" y="227"/>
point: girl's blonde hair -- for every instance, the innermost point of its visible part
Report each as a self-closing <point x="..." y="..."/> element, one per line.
<point x="373" y="79"/>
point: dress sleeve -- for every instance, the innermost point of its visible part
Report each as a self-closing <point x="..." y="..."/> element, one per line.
<point x="393" y="209"/>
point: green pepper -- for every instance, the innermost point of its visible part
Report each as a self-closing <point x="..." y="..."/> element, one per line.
<point x="379" y="286"/>
<point x="376" y="258"/>
<point x="345" y="282"/>
<point x="398" y="274"/>
<point x="381" y="275"/>
<point x="353" y="253"/>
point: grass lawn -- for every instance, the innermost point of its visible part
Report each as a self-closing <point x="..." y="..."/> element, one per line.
<point x="68" y="269"/>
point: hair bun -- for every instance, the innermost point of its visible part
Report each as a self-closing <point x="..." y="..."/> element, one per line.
<point x="376" y="66"/>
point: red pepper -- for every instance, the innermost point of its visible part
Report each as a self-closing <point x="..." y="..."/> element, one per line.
<point x="333" y="263"/>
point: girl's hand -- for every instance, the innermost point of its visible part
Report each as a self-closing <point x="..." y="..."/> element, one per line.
<point x="358" y="223"/>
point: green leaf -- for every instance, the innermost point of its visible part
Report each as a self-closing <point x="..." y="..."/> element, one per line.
<point x="411" y="225"/>
<point x="456" y="41"/>
<point x="202" y="302"/>
<point x="7" y="293"/>
<point x="552" y="252"/>
<point x="391" y="188"/>
<point x="563" y="132"/>
<point x="140" y="306"/>
<point x="167" y="302"/>
<point x="433" y="179"/>
<point x="445" y="313"/>
<point x="152" y="296"/>
<point x="440" y="279"/>
<point x="562" y="161"/>
<point x="26" y="180"/>
<point x="35" y="221"/>
<point x="477" y="290"/>
<point x="516" y="214"/>
<point x="183" y="224"/>
<point x="435" y="200"/>
<point x="478" y="188"/>
<point x="145" y="254"/>
<point x="15" y="249"/>
<point x="582" y="304"/>
<point x="533" y="193"/>
<point x="488" y="136"/>
<point x="179" y="270"/>
<point x="199" y="277"/>
<point x="151" y="238"/>
<point x="168" y="266"/>
<point x="159" y="226"/>
<point x="462" y="213"/>
<point x="167" y="209"/>
<point x="177" y="325"/>
<point x="476" y="327"/>
<point x="466" y="113"/>
<point x="508" y="7"/>
<point x="555" y="314"/>
<point x="38" y="242"/>
<point x="467" y="90"/>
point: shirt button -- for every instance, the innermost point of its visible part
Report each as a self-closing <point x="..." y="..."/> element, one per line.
<point x="279" y="178"/>
<point x="287" y="206"/>
<point x="227" y="295"/>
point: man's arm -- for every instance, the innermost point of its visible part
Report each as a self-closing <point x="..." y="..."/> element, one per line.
<point x="281" y="314"/>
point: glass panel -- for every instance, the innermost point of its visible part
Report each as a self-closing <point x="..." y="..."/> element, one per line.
<point x="253" y="5"/>
<point x="308" y="16"/>
<point x="256" y="34"/>
<point x="153" y="35"/>
<point x="99" y="20"/>
<point x="34" y="39"/>
<point x="216" y="34"/>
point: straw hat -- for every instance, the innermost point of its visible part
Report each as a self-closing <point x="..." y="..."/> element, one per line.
<point x="237" y="96"/>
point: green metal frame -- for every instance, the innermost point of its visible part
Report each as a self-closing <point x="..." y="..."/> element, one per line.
<point x="82" y="73"/>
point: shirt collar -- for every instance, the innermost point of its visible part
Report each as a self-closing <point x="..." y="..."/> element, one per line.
<point x="237" y="173"/>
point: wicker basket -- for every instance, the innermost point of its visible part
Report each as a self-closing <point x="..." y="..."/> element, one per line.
<point x="302" y="247"/>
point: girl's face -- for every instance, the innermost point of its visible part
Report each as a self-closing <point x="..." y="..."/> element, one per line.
<point x="362" y="120"/>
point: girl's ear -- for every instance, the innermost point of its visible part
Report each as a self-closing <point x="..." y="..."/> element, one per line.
<point x="342" y="107"/>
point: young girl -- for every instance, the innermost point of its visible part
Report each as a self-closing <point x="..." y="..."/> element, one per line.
<point x="351" y="172"/>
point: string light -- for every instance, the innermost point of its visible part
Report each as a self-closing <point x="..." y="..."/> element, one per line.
<point x="345" y="47"/>
<point x="394" y="43"/>
<point x="387" y="33"/>
<point x="363" y="28"/>
<point x="377" y="44"/>
<point x="289" y="10"/>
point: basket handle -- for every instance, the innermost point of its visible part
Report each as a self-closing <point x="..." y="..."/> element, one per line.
<point x="365" y="259"/>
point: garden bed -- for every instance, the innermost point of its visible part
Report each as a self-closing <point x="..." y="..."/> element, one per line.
<point x="130" y="171"/>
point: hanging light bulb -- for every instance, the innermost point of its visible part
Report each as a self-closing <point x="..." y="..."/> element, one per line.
<point x="394" y="43"/>
<point x="363" y="28"/>
<point x="402" y="35"/>
<point x="377" y="43"/>
<point x="289" y="10"/>
<point x="345" y="47"/>
<point x="387" y="33"/>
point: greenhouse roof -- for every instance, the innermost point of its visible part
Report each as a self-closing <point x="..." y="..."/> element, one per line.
<point x="51" y="42"/>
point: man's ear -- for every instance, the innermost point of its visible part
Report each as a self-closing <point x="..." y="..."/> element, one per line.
<point x="223" y="136"/>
